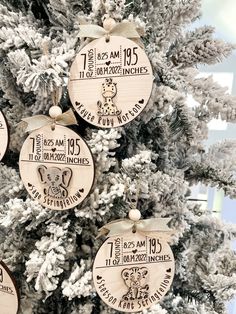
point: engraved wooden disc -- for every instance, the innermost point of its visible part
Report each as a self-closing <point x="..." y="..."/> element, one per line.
<point x="56" y="167"/>
<point x="9" y="296"/>
<point x="110" y="82"/>
<point x="3" y="135"/>
<point x="132" y="272"/>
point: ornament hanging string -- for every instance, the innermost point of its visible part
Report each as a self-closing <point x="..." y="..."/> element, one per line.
<point x="55" y="110"/>
<point x="56" y="96"/>
<point x="133" y="202"/>
<point x="64" y="119"/>
<point x="144" y="226"/>
<point x="38" y="121"/>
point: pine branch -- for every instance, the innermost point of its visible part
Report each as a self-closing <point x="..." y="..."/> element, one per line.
<point x="200" y="51"/>
<point x="199" y="172"/>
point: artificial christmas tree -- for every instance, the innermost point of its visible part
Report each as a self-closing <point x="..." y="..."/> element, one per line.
<point x="160" y="153"/>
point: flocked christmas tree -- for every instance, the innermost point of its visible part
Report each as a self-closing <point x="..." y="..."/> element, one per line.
<point x="161" y="153"/>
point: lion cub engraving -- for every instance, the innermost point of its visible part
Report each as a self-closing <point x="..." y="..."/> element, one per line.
<point x="135" y="279"/>
<point x="56" y="180"/>
<point x="109" y="91"/>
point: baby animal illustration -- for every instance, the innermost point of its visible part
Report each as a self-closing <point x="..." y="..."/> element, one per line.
<point x="56" y="180"/>
<point x="109" y="91"/>
<point x="136" y="279"/>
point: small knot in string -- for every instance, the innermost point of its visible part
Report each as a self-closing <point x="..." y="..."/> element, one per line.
<point x="53" y="126"/>
<point x="107" y="38"/>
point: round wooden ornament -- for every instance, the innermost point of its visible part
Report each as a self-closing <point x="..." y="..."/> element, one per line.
<point x="9" y="295"/>
<point x="56" y="167"/>
<point x="110" y="81"/>
<point x="132" y="272"/>
<point x="3" y="135"/>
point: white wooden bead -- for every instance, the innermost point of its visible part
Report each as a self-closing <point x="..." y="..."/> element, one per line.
<point x="55" y="111"/>
<point x="109" y="23"/>
<point x="134" y="214"/>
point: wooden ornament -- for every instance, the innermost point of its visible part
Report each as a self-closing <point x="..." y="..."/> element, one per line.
<point x="3" y="135"/>
<point x="110" y="81"/>
<point x="9" y="295"/>
<point x="56" y="167"/>
<point x="132" y="271"/>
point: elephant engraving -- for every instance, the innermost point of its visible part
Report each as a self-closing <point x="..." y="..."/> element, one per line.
<point x="135" y="279"/>
<point x="56" y="180"/>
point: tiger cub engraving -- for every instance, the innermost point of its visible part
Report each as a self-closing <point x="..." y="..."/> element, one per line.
<point x="135" y="279"/>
